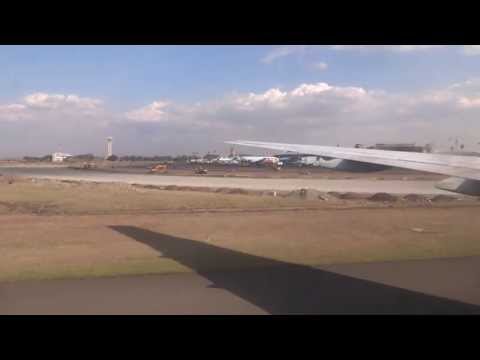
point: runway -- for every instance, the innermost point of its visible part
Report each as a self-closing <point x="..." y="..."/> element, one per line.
<point x="441" y="286"/>
<point x="401" y="187"/>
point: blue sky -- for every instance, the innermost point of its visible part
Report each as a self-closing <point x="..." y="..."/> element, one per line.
<point x="131" y="75"/>
<point x="130" y="78"/>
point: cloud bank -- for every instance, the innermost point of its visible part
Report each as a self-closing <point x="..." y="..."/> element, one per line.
<point x="394" y="48"/>
<point x="315" y="113"/>
<point x="282" y="51"/>
<point x="471" y="49"/>
<point x="324" y="113"/>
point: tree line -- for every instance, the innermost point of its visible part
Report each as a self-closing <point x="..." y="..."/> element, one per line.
<point x="91" y="157"/>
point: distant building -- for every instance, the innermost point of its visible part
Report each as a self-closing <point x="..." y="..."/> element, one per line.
<point x="409" y="147"/>
<point x="399" y="147"/>
<point x="59" y="157"/>
<point x="460" y="153"/>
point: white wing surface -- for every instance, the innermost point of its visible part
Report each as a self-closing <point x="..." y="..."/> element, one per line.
<point x="467" y="167"/>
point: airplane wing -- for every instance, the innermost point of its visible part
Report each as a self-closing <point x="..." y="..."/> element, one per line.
<point x="467" y="167"/>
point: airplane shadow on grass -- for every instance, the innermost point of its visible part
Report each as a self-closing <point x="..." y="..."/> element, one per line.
<point x="284" y="288"/>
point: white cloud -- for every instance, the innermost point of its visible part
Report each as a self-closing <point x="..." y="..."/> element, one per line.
<point x="467" y="102"/>
<point x="286" y="50"/>
<point x="282" y="51"/>
<point x="53" y="122"/>
<point x="43" y="106"/>
<point x="13" y="112"/>
<point x="394" y="48"/>
<point x="325" y="113"/>
<point x="471" y="49"/>
<point x="55" y="101"/>
<point x="410" y="48"/>
<point x="154" y="112"/>
<point x="273" y="100"/>
<point x="320" y="66"/>
<point x="272" y="97"/>
<point x="309" y="89"/>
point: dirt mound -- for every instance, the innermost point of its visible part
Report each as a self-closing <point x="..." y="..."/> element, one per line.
<point x="9" y="179"/>
<point x="305" y="194"/>
<point x="350" y="196"/>
<point x="148" y="187"/>
<point x="415" y="198"/>
<point x="383" y="197"/>
<point x="289" y="194"/>
<point x="71" y="182"/>
<point x="222" y="190"/>
<point x="237" y="191"/>
<point x="234" y="191"/>
<point x="153" y="187"/>
<point x="201" y="188"/>
<point x="174" y="187"/>
<point x="183" y="188"/>
<point x="272" y="193"/>
<point x="302" y="193"/>
<point x="442" y="198"/>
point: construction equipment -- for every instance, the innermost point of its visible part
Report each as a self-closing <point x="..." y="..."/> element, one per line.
<point x="201" y="171"/>
<point x="88" y="165"/>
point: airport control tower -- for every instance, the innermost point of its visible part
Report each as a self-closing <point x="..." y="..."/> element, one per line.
<point x="109" y="147"/>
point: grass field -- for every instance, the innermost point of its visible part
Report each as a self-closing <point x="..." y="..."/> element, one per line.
<point x="59" y="230"/>
<point x="83" y="246"/>
<point x="70" y="198"/>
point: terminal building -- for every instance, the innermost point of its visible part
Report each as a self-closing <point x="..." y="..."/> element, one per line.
<point x="409" y="147"/>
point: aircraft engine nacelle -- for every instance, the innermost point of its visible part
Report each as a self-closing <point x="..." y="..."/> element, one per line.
<point x="460" y="185"/>
<point x="349" y="165"/>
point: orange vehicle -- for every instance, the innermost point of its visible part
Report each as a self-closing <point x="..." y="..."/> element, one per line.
<point x="159" y="169"/>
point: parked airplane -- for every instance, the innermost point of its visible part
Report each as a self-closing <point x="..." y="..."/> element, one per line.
<point x="464" y="170"/>
<point x="261" y="160"/>
<point x="248" y="160"/>
<point x="201" y="161"/>
<point x="233" y="160"/>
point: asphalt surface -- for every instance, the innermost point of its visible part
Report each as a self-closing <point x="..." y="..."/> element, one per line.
<point x="424" y="187"/>
<point x="441" y="286"/>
